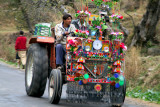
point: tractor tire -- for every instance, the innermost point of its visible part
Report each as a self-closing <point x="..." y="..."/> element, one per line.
<point x="36" y="71"/>
<point x="117" y="95"/>
<point x="55" y="86"/>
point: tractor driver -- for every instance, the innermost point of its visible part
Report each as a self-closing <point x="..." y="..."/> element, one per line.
<point x="63" y="30"/>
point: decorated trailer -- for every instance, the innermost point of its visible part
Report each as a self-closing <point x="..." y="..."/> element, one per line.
<point x="94" y="67"/>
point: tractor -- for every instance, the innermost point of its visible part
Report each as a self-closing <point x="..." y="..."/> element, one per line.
<point x="93" y="69"/>
<point x="94" y="65"/>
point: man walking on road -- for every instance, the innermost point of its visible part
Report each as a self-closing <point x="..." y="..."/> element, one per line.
<point x="20" y="47"/>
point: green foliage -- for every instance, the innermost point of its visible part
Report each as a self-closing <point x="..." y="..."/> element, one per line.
<point x="147" y="95"/>
<point x="100" y="2"/>
<point x="99" y="22"/>
<point x="8" y="62"/>
<point x="149" y="44"/>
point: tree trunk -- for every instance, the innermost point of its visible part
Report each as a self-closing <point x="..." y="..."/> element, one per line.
<point x="25" y="15"/>
<point x="27" y="20"/>
<point x="146" y="30"/>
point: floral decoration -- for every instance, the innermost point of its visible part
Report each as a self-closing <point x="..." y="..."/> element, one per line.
<point x="85" y="13"/>
<point x="81" y="33"/>
<point x="98" y="24"/>
<point x="73" y="44"/>
<point x="116" y="17"/>
<point x="116" y="35"/>
<point x="123" y="46"/>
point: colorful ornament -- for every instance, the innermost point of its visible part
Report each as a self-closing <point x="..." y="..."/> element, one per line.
<point x="121" y="83"/>
<point x="118" y="63"/>
<point x="117" y="80"/>
<point x="81" y="78"/>
<point x="86" y="76"/>
<point x="81" y="60"/>
<point x="80" y="67"/>
<point x="77" y="74"/>
<point x="95" y="68"/>
<point x="76" y="79"/>
<point x="118" y="70"/>
<point x="121" y="78"/>
<point x="116" y="75"/>
<point x="113" y="83"/>
<point x="80" y="82"/>
<point x="85" y="81"/>
<point x="117" y="85"/>
<point x="112" y="78"/>
<point x="93" y="33"/>
<point x="98" y="87"/>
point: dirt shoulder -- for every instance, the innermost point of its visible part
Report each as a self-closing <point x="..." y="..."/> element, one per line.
<point x="139" y="102"/>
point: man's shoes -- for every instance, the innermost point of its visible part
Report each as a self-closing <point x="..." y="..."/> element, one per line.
<point x="18" y="67"/>
<point x="23" y="66"/>
<point x="60" y="67"/>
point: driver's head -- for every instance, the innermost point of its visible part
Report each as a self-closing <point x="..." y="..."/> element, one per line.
<point x="67" y="18"/>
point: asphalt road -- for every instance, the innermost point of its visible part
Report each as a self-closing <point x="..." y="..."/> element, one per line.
<point x="12" y="93"/>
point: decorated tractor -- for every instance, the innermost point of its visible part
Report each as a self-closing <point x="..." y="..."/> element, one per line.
<point x="94" y="67"/>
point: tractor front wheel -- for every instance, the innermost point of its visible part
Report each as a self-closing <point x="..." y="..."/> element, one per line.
<point x="55" y="86"/>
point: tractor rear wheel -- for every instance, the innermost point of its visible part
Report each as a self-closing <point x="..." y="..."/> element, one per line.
<point x="117" y="95"/>
<point x="36" y="70"/>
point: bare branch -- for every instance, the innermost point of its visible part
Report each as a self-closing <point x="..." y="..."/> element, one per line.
<point x="130" y="17"/>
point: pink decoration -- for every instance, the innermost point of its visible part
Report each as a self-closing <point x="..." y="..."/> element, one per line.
<point x="123" y="46"/>
<point x="72" y="42"/>
<point x="87" y="32"/>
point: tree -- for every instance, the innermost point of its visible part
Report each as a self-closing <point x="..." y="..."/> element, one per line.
<point x="146" y="30"/>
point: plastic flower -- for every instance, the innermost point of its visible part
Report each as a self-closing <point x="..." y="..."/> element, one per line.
<point x="77" y="30"/>
<point x="99" y="27"/>
<point x="78" y="11"/>
<point x="72" y="42"/>
<point x="87" y="32"/>
<point x="81" y="33"/>
<point x="86" y="13"/>
<point x="116" y="16"/>
<point x="123" y="46"/>
<point x="114" y="33"/>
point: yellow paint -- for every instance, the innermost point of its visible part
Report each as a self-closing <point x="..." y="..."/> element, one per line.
<point x="92" y="16"/>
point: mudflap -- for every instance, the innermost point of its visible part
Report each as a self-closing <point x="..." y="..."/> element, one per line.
<point x="86" y="94"/>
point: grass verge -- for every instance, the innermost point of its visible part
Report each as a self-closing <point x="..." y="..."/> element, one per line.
<point x="146" y="95"/>
<point x="9" y="62"/>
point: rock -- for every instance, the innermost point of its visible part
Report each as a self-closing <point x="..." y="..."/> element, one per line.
<point x="151" y="69"/>
<point x="154" y="51"/>
<point x="141" y="78"/>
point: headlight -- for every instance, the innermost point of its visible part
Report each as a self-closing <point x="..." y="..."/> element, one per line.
<point x="87" y="48"/>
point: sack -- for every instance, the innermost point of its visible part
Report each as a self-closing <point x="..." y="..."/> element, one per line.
<point x="17" y="57"/>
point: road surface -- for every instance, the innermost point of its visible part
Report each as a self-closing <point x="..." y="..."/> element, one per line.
<point x="12" y="92"/>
